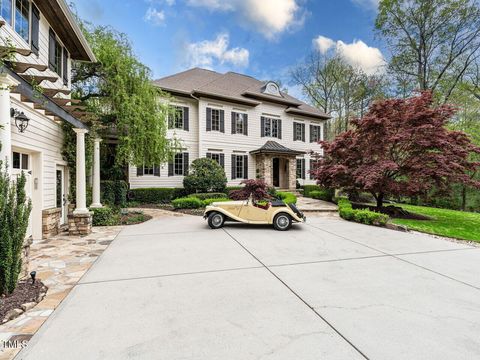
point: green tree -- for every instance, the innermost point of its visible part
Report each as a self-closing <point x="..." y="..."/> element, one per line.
<point x="205" y="175"/>
<point x="433" y="43"/>
<point x="118" y="91"/>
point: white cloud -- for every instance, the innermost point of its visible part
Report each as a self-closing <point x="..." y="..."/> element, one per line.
<point x="323" y="44"/>
<point x="269" y="17"/>
<point x="209" y="53"/>
<point x="357" y="53"/>
<point x="367" y="4"/>
<point x="154" y="16"/>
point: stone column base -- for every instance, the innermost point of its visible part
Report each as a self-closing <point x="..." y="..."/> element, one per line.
<point x="80" y="224"/>
<point x="51" y="222"/>
<point x="24" y="273"/>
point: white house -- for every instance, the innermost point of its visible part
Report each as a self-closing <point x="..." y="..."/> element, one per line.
<point x="250" y="127"/>
<point x="44" y="38"/>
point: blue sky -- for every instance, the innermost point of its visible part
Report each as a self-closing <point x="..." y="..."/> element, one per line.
<point x="262" y="38"/>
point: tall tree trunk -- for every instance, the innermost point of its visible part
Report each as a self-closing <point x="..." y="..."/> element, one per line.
<point x="464" y="197"/>
<point x="380" y="197"/>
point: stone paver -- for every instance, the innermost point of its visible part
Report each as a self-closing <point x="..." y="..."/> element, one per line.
<point x="313" y="205"/>
<point x="174" y="289"/>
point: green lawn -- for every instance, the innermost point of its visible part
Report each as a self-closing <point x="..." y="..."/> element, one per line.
<point x="449" y="223"/>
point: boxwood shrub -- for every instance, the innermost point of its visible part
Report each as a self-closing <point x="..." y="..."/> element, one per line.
<point x="363" y="216"/>
<point x="187" y="203"/>
<point x="105" y="216"/>
<point x="205" y="196"/>
<point x="114" y="192"/>
<point x="287" y="197"/>
<point x="308" y="188"/>
<point x="323" y="194"/>
<point x="155" y="195"/>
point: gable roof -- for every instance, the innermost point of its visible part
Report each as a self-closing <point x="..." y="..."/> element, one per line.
<point x="232" y="87"/>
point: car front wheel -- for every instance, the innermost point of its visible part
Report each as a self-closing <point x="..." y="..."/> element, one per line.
<point x="216" y="220"/>
<point x="282" y="222"/>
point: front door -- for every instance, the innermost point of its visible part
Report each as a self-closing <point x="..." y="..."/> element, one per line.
<point x="276" y="172"/>
<point x="21" y="162"/>
<point x="60" y="190"/>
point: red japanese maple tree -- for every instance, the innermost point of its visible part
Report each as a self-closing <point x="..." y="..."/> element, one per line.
<point x="400" y="147"/>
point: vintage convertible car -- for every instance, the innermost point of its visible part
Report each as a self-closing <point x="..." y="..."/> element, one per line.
<point x="278" y="213"/>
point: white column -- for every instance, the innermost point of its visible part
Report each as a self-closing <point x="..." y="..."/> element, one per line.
<point x="81" y="202"/>
<point x="6" y="81"/>
<point x="96" y="174"/>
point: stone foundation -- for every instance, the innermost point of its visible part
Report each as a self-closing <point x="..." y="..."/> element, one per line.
<point x="25" y="257"/>
<point x="51" y="222"/>
<point x="80" y="224"/>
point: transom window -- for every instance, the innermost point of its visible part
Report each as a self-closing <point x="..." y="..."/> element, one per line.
<point x="20" y="161"/>
<point x="22" y="19"/>
<point x="299" y="132"/>
<point x="315" y="133"/>
<point x="215" y="120"/>
<point x="271" y="127"/>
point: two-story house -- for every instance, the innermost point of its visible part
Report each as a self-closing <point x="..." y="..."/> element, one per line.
<point x="42" y="38"/>
<point x="250" y="127"/>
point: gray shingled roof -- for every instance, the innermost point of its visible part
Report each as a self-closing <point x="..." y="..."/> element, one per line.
<point x="231" y="86"/>
<point x="275" y="148"/>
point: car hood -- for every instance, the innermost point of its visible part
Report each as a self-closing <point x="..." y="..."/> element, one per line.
<point x="228" y="203"/>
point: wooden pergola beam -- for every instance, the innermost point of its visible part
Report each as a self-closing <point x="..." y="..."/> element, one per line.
<point x="52" y="92"/>
<point x="39" y="78"/>
<point x="24" y="52"/>
<point x="20" y="67"/>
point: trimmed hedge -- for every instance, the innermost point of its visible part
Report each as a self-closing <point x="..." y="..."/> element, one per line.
<point x="155" y="195"/>
<point x="205" y="196"/>
<point x="105" y="216"/>
<point x="114" y="192"/>
<point x="287" y="197"/>
<point x="325" y="195"/>
<point x="232" y="188"/>
<point x="207" y="202"/>
<point x="187" y="203"/>
<point x="363" y="216"/>
<point x="309" y="188"/>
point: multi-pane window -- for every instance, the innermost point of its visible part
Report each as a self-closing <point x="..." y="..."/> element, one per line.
<point x="315" y="133"/>
<point x="298" y="132"/>
<point x="6" y="10"/>
<point x="239" y="123"/>
<point x="218" y="157"/>
<point x="55" y="54"/>
<point x="148" y="170"/>
<point x="239" y="166"/>
<point x="215" y="120"/>
<point x="176" y="118"/>
<point x="272" y="127"/>
<point x="20" y="161"/>
<point x="300" y="168"/>
<point x="313" y="167"/>
<point x="178" y="164"/>
<point x="22" y="18"/>
<point x="58" y="58"/>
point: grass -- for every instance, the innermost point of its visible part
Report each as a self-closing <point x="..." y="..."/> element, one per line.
<point x="449" y="223"/>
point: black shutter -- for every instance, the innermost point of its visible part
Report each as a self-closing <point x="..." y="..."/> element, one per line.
<point x="170" y="169"/>
<point x="234" y="166"/>
<point x="51" y="50"/>
<point x="186" y="116"/>
<point x="234" y="128"/>
<point x="262" y="124"/>
<point x="156" y="170"/>
<point x="209" y="119"/>
<point x="303" y="169"/>
<point x="294" y="131"/>
<point x="311" y="169"/>
<point x="222" y="160"/>
<point x="65" y="67"/>
<point x="279" y="128"/>
<point x="303" y="132"/>
<point x="311" y="133"/>
<point x="140" y="171"/>
<point x="222" y="121"/>
<point x="245" y="166"/>
<point x="245" y="124"/>
<point x="185" y="164"/>
<point x="35" y="30"/>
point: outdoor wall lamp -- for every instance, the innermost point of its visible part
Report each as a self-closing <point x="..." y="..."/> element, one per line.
<point x="21" y="120"/>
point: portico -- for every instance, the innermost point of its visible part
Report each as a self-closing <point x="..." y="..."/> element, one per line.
<point x="277" y="165"/>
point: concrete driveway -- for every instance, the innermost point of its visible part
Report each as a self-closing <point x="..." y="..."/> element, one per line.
<point x="173" y="289"/>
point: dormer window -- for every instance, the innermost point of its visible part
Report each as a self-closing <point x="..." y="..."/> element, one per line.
<point x="272" y="88"/>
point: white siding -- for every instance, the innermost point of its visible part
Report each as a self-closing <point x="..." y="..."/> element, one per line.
<point x="199" y="141"/>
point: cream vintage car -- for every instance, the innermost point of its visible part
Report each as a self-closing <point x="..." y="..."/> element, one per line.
<point x="278" y="213"/>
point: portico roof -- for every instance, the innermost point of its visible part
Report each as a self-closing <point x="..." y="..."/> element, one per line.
<point x="272" y="147"/>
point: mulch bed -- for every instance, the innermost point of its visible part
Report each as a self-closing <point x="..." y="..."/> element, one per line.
<point x="392" y="211"/>
<point x="134" y="218"/>
<point x="25" y="292"/>
<point x="196" y="212"/>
